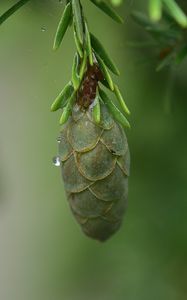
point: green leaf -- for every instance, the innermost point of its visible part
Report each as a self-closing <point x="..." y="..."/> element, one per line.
<point x="78" y="20"/>
<point x="155" y="10"/>
<point x="62" y="26"/>
<point x="96" y="111"/>
<point x="62" y="98"/>
<point x="121" y="100"/>
<point x="88" y="45"/>
<point x="77" y="43"/>
<point x="105" y="72"/>
<point x="176" y="12"/>
<point x="99" y="49"/>
<point x="181" y="55"/>
<point x="68" y="109"/>
<point x="165" y="62"/>
<point x="75" y="72"/>
<point x="141" y="19"/>
<point x="12" y="10"/>
<point x="83" y="66"/>
<point x="114" y="110"/>
<point x="170" y="34"/>
<point x="107" y="9"/>
<point x="105" y="83"/>
<point x="116" y="2"/>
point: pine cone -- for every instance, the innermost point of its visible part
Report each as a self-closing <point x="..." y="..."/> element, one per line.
<point x="95" y="164"/>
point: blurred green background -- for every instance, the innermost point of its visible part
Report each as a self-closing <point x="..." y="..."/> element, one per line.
<point x="43" y="253"/>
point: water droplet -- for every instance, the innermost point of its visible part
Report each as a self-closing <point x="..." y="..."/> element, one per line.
<point x="56" y="161"/>
<point x="58" y="139"/>
<point x="43" y="29"/>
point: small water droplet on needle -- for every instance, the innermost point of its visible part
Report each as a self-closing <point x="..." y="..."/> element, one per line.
<point x="58" y="139"/>
<point x="56" y="161"/>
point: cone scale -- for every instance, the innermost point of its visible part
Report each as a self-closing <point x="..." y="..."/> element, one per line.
<point x="95" y="163"/>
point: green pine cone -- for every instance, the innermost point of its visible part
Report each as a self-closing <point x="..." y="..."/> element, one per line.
<point x="95" y="163"/>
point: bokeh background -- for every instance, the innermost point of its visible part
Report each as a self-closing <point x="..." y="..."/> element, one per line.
<point x="43" y="253"/>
